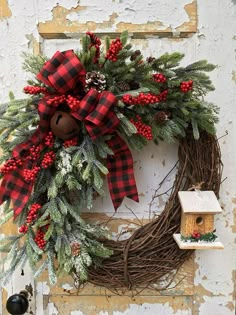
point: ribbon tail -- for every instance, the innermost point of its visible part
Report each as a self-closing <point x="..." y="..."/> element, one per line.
<point x="121" y="179"/>
<point x="14" y="187"/>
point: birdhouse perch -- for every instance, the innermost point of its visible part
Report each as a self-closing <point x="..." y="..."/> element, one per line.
<point x="197" y="220"/>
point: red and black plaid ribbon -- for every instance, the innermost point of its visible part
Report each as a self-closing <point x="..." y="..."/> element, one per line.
<point x="65" y="74"/>
<point x="99" y="119"/>
<point x="13" y="185"/>
<point x="121" y="179"/>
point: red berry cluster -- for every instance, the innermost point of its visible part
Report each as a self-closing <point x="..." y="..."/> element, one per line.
<point x="35" y="89"/>
<point x="34" y="153"/>
<point x="10" y="165"/>
<point x="141" y="99"/>
<point x="23" y="229"/>
<point x="196" y="235"/>
<point x="73" y="102"/>
<point x="186" y="86"/>
<point x="32" y="214"/>
<point x="56" y="100"/>
<point x="95" y="42"/>
<point x="144" y="99"/>
<point x="159" y="77"/>
<point x="70" y="142"/>
<point x="163" y="95"/>
<point x="115" y="47"/>
<point x="48" y="159"/>
<point x="39" y="239"/>
<point x="49" y="139"/>
<point x="29" y="175"/>
<point x="142" y="129"/>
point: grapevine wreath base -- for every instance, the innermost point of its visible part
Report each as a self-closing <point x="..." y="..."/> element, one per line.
<point x="151" y="257"/>
<point x="86" y="110"/>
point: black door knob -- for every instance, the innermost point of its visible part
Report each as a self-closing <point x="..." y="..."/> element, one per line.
<point x="17" y="304"/>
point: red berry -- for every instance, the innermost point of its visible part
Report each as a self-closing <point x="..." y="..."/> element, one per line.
<point x="73" y="103"/>
<point x="49" y="139"/>
<point x="159" y="77"/>
<point x="56" y="100"/>
<point x="142" y="129"/>
<point x="114" y="49"/>
<point x="35" y="90"/>
<point x="186" y="86"/>
<point x="48" y="159"/>
<point x="70" y="142"/>
<point x="23" y="229"/>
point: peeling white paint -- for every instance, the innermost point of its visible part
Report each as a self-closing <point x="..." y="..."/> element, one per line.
<point x="77" y="313"/>
<point x="45" y="7"/>
<point x="150" y="309"/>
<point x="43" y="287"/>
<point x="215" y="306"/>
<point x="52" y="310"/>
<point x="137" y="11"/>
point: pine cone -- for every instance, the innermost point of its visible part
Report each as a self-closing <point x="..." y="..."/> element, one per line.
<point x="150" y="59"/>
<point x="75" y="249"/>
<point x="135" y="55"/>
<point x="123" y="86"/>
<point x="134" y="85"/>
<point x="95" y="80"/>
<point x="161" y="117"/>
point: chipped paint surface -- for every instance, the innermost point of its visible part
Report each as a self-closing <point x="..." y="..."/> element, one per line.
<point x="122" y="305"/>
<point x="205" y="284"/>
<point x="151" y="17"/>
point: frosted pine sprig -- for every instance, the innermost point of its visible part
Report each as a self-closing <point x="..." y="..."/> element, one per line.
<point x="64" y="164"/>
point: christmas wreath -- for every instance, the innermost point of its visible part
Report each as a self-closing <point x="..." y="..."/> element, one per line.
<point x="86" y="109"/>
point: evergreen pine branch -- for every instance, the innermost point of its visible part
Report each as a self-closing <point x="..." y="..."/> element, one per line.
<point x="73" y="212"/>
<point x="50" y="231"/>
<point x="125" y="125"/>
<point x="6" y="217"/>
<point x="124" y="37"/>
<point x="31" y="242"/>
<point x="101" y="167"/>
<point x="55" y="213"/>
<point x="41" y="269"/>
<point x="51" y="267"/>
<point x="52" y="189"/>
<point x="32" y="63"/>
<point x="167" y="61"/>
<point x="98" y="180"/>
<point x="33" y="257"/>
<point x="196" y="133"/>
<point x="201" y="65"/>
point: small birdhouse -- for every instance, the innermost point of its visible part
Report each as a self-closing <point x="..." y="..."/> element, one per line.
<point x="197" y="220"/>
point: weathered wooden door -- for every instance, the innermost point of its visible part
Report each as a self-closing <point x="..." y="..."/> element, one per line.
<point x="155" y="27"/>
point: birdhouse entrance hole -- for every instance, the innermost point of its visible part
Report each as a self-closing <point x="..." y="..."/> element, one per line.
<point x="199" y="220"/>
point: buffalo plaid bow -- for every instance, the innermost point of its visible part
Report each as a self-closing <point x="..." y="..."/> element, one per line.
<point x="99" y="119"/>
<point x="64" y="73"/>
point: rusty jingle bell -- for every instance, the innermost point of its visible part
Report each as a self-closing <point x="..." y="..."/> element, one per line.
<point x="63" y="125"/>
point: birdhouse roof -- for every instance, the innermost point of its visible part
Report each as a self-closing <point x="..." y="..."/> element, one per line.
<point x="204" y="202"/>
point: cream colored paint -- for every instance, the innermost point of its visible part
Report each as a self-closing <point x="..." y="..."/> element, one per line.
<point x="5" y="11"/>
<point x="214" y="274"/>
